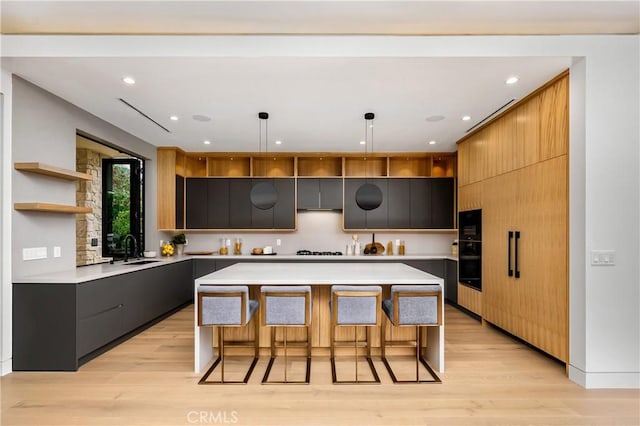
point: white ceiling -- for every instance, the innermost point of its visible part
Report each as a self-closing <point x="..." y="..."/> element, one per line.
<point x="315" y="103"/>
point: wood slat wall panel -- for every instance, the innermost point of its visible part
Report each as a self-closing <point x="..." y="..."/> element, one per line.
<point x="527" y="133"/>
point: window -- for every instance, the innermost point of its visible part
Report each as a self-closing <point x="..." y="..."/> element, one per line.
<point x="122" y="206"/>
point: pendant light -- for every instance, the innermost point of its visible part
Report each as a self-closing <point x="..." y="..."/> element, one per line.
<point x="263" y="195"/>
<point x="368" y="195"/>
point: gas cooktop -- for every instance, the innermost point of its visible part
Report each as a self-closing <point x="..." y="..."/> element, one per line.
<point x="318" y="253"/>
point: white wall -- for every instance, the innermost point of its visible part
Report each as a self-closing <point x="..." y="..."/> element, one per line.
<point x="44" y="129"/>
<point x="5" y="224"/>
<point x="604" y="179"/>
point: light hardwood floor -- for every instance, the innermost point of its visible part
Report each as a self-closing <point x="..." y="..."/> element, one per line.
<point x="148" y="380"/>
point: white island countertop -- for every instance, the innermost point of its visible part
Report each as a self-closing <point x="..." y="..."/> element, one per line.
<point x="310" y="273"/>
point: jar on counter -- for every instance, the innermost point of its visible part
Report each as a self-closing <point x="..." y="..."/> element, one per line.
<point x="224" y="246"/>
<point x="401" y="248"/>
<point x="454" y="248"/>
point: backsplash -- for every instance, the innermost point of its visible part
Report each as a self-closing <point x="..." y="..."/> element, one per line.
<point x="318" y="231"/>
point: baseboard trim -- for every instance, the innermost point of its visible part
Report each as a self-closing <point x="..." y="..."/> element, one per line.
<point x="604" y="380"/>
<point x="5" y="367"/>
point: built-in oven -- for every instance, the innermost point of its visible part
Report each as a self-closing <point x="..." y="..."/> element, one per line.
<point x="470" y="248"/>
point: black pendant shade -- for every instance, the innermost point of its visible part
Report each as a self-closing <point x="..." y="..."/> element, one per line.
<point x="368" y="196"/>
<point x="263" y="195"/>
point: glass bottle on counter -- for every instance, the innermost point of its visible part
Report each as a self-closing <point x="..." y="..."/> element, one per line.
<point x="390" y="248"/>
<point x="237" y="246"/>
<point x="224" y="248"/>
<point x="401" y="248"/>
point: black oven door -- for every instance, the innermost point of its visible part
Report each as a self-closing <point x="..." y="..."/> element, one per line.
<point x="470" y="264"/>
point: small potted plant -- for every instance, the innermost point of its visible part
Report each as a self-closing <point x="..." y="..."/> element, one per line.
<point x="179" y="241"/>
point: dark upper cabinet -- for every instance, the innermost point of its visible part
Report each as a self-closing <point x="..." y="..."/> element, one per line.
<point x="197" y="201"/>
<point x="354" y="217"/>
<point x="420" y="203"/>
<point x="308" y="194"/>
<point x="399" y="196"/>
<point x="378" y="217"/>
<point x="224" y="203"/>
<point x="331" y="193"/>
<point x="263" y="218"/>
<point x="442" y="203"/>
<point x="239" y="203"/>
<point x="320" y="194"/>
<point x="284" y="212"/>
<point x="408" y="203"/>
<point x="218" y="203"/>
<point x="179" y="202"/>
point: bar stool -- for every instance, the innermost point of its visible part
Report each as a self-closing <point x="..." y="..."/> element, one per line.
<point x="355" y="306"/>
<point x="416" y="306"/>
<point x="222" y="307"/>
<point x="286" y="306"/>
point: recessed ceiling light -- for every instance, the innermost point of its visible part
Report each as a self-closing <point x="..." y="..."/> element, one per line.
<point x="434" y="118"/>
<point x="466" y="118"/>
<point x="512" y="80"/>
<point x="173" y="118"/>
<point x="129" y="80"/>
<point x="207" y="142"/>
<point x="432" y="142"/>
<point x="278" y="142"/>
<point x="362" y="142"/>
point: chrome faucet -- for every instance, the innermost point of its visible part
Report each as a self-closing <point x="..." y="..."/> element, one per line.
<point x="126" y="247"/>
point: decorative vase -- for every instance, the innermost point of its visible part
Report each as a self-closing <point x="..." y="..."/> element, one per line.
<point x="180" y="249"/>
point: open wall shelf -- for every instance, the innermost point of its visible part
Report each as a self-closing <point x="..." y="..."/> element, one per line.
<point x="52" y="171"/>
<point x="51" y="208"/>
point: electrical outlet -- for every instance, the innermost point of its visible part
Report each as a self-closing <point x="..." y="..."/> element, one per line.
<point x="94" y="242"/>
<point x="603" y="257"/>
<point x="278" y="242"/>
<point x="57" y="251"/>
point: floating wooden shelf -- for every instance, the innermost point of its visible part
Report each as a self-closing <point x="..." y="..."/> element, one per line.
<point x="57" y="172"/>
<point x="51" y="208"/>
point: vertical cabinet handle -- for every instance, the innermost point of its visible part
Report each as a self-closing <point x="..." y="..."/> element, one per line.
<point x="509" y="238"/>
<point x="516" y="255"/>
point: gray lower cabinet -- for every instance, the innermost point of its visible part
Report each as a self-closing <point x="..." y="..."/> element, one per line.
<point x="58" y="327"/>
<point x="451" y="281"/>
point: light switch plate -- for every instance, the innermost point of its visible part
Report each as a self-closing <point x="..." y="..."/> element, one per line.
<point x="603" y="257"/>
<point x="34" y="253"/>
<point x="57" y="251"/>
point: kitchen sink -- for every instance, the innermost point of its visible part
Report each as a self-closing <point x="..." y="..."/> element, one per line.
<point x="141" y="262"/>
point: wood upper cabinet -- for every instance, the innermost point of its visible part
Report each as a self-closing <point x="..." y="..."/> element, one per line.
<point x="533" y="131"/>
<point x="554" y="119"/>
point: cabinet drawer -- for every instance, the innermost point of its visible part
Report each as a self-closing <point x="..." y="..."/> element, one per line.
<point x="98" y="330"/>
<point x="94" y="297"/>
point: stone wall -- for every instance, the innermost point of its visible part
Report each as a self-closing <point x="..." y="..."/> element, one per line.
<point x="89" y="194"/>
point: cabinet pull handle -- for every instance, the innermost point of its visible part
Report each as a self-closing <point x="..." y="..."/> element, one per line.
<point x="509" y="269"/>
<point x="516" y="255"/>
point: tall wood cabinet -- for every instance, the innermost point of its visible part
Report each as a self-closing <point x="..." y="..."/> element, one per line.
<point x="515" y="170"/>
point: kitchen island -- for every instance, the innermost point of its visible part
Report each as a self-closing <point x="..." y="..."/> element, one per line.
<point x="320" y="276"/>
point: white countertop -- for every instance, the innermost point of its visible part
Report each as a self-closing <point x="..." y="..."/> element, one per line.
<point x="94" y="272"/>
<point x="310" y="273"/>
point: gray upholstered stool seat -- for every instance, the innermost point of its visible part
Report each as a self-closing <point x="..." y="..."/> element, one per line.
<point x="227" y="306"/>
<point x="286" y="307"/>
<point x="416" y="306"/>
<point x="357" y="306"/>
